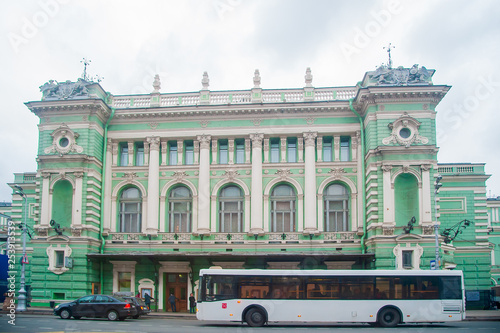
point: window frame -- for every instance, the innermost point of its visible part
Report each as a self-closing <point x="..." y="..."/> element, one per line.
<point x="292" y="212"/>
<point x="124" y="214"/>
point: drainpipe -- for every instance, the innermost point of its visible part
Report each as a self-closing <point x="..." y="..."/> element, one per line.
<point x="101" y="224"/>
<point x="363" y="174"/>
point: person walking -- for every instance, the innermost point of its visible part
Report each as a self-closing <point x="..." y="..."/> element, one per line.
<point x="172" y="300"/>
<point x="147" y="300"/>
<point x="192" y="304"/>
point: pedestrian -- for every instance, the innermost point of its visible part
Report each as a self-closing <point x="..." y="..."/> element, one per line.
<point x="147" y="300"/>
<point x="138" y="295"/>
<point x="192" y="304"/>
<point x="172" y="300"/>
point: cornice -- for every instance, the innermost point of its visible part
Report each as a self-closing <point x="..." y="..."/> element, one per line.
<point x="400" y="94"/>
<point x="69" y="107"/>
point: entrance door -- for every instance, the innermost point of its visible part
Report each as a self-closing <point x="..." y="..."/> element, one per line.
<point x="176" y="283"/>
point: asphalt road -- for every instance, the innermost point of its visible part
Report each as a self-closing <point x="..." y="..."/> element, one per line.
<point x="44" y="323"/>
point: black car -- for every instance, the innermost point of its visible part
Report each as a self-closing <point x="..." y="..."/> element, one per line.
<point x="102" y="306"/>
<point x="141" y="307"/>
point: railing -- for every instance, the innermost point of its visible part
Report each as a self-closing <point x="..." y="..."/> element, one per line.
<point x="235" y="238"/>
<point x="456" y="169"/>
<point x="235" y="97"/>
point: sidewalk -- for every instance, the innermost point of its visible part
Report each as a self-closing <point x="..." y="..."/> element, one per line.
<point x="471" y="315"/>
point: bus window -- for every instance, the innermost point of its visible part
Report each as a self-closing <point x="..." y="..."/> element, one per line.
<point x="451" y="287"/>
<point x="254" y="287"/>
<point x="287" y="287"/>
<point x="323" y="288"/>
<point x="357" y="287"/>
<point x="219" y="288"/>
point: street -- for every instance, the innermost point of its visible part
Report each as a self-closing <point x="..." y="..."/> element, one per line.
<point x="44" y="323"/>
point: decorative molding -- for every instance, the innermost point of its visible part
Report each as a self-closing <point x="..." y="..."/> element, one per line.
<point x="310" y="138"/>
<point x="336" y="172"/>
<point x="179" y="175"/>
<point x="283" y="173"/>
<point x="64" y="141"/>
<point x="230" y="174"/>
<point x="405" y="132"/>
<point x="204" y="123"/>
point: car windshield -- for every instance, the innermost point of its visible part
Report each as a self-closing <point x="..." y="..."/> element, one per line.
<point x="121" y="299"/>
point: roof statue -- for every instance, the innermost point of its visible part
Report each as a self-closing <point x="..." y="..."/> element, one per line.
<point x="308" y="77"/>
<point x="157" y="84"/>
<point x="205" y="81"/>
<point x="256" y="79"/>
<point x="65" y="90"/>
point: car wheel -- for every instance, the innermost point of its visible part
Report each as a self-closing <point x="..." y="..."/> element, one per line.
<point x="389" y="317"/>
<point x="112" y="315"/>
<point x="77" y="317"/>
<point x="65" y="314"/>
<point x="255" y="317"/>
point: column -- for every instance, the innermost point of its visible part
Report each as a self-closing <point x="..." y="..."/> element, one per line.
<point x="300" y="148"/>
<point x="256" y="198"/>
<point x="45" y="213"/>
<point x="153" y="185"/>
<point x="130" y="153"/>
<point x="180" y="152"/>
<point x="426" y="210"/>
<point x="196" y="152"/>
<point x="310" y="182"/>
<point x="230" y="151"/>
<point x="77" y="199"/>
<point x="214" y="152"/>
<point x="247" y="150"/>
<point x="164" y="149"/>
<point x="146" y="153"/>
<point x="266" y="150"/>
<point x="283" y="149"/>
<point x="336" y="148"/>
<point x="107" y="189"/>
<point x="389" y="213"/>
<point x="115" y="153"/>
<point x="204" y="186"/>
<point x="319" y="148"/>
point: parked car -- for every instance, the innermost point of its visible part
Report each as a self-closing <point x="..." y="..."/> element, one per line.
<point x="103" y="306"/>
<point x="141" y="307"/>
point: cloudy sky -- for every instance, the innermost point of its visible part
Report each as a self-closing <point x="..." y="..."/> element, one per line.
<point x="130" y="41"/>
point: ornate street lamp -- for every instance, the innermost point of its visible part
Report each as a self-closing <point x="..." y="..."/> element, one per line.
<point x="21" y="304"/>
<point x="437" y="185"/>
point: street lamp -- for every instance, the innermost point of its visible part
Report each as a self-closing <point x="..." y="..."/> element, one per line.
<point x="437" y="185"/>
<point x="21" y="305"/>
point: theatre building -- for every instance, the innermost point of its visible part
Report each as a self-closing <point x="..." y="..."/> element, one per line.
<point x="137" y="193"/>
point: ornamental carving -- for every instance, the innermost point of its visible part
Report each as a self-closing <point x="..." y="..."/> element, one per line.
<point x="154" y="143"/>
<point x="204" y="141"/>
<point x="257" y="121"/>
<point x="310" y="120"/>
<point x="64" y="142"/>
<point x="428" y="230"/>
<point x="336" y="172"/>
<point x="153" y="125"/>
<point x="257" y="139"/>
<point x="230" y="174"/>
<point x="387" y="76"/>
<point x="130" y="176"/>
<point x="405" y="132"/>
<point x="204" y="123"/>
<point x="179" y="175"/>
<point x="53" y="90"/>
<point x="388" y="231"/>
<point x="283" y="173"/>
<point x="386" y="168"/>
<point x="310" y="138"/>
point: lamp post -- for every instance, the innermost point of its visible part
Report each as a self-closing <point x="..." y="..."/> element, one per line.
<point x="21" y="305"/>
<point x="437" y="185"/>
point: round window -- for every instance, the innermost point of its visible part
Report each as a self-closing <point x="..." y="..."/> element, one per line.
<point x="405" y="132"/>
<point x="63" y="142"/>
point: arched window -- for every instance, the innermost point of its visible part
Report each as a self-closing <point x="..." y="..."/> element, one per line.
<point x="231" y="209"/>
<point x="130" y="210"/>
<point x="336" y="207"/>
<point x="62" y="203"/>
<point x="283" y="209"/>
<point x="180" y="210"/>
<point x="405" y="198"/>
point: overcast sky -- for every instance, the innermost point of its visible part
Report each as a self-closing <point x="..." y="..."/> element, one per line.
<point x="130" y="41"/>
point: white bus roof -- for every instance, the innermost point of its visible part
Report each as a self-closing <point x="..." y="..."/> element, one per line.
<point x="284" y="272"/>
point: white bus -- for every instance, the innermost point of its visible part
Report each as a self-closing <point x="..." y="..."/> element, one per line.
<point x="383" y="297"/>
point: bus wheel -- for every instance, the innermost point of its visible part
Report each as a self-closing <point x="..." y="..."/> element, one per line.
<point x="255" y="317"/>
<point x="389" y="317"/>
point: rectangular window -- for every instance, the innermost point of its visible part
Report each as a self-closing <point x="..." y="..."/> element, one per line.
<point x="292" y="150"/>
<point x="275" y="150"/>
<point x="139" y="154"/>
<point x="172" y="155"/>
<point x="240" y="151"/>
<point x="407" y="259"/>
<point x="124" y="281"/>
<point x="189" y="152"/>
<point x="59" y="258"/>
<point x="124" y="154"/>
<point x="327" y="149"/>
<point x="223" y="152"/>
<point x="344" y="149"/>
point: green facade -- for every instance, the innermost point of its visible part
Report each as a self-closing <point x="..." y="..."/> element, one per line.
<point x="109" y="167"/>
